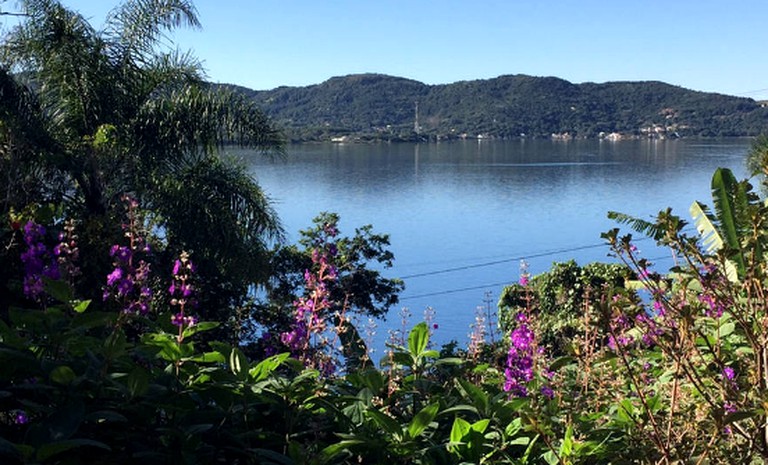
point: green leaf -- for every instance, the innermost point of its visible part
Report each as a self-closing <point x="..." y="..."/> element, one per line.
<point x="514" y="427"/>
<point x="423" y="419"/>
<point x="50" y="450"/>
<point x="238" y="363"/>
<point x="481" y="425"/>
<point x="335" y="449"/>
<point x="726" y="329"/>
<point x="450" y="361"/>
<point x="264" y="368"/>
<point x="169" y="347"/>
<point x="63" y="375"/>
<point x="729" y="197"/>
<point x="418" y="339"/>
<point x="389" y="424"/>
<point x="704" y="222"/>
<point x="80" y="306"/>
<point x="460" y="408"/>
<point x="551" y="458"/>
<point x="566" y="448"/>
<point x="459" y="430"/>
<point x="199" y="328"/>
<point x="404" y="358"/>
<point x="478" y="396"/>
<point x="430" y="354"/>
<point x="138" y="381"/>
<point x="209" y="357"/>
<point x="521" y="441"/>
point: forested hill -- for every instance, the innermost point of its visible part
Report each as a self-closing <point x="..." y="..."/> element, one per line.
<point x="375" y="106"/>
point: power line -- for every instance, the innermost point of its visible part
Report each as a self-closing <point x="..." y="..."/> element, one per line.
<point x="507" y="260"/>
<point x="454" y="291"/>
<point x="486" y="286"/>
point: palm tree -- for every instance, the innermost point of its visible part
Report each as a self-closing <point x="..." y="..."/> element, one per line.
<point x="109" y="111"/>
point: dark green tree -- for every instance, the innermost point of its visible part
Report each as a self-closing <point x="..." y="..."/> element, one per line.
<point x="757" y="159"/>
<point x="87" y="115"/>
<point x="359" y="287"/>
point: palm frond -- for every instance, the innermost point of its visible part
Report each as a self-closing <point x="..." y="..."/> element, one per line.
<point x="29" y="158"/>
<point x="197" y="119"/>
<point x="652" y="230"/>
<point x="215" y="208"/>
<point x="136" y="27"/>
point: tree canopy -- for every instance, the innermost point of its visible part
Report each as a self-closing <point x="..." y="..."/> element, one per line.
<point x="89" y="114"/>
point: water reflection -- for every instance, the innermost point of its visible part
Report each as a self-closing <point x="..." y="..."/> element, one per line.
<point x="451" y="204"/>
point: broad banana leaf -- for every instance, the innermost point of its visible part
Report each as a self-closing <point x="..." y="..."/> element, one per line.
<point x="710" y="236"/>
<point x="731" y="205"/>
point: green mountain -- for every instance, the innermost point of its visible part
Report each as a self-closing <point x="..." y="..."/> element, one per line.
<point x="375" y="106"/>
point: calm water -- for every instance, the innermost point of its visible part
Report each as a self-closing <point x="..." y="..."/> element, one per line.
<point x="462" y="215"/>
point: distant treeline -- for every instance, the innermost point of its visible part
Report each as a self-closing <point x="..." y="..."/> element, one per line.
<point x="375" y="106"/>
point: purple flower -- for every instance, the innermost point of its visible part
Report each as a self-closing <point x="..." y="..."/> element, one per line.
<point x="186" y="290"/>
<point x="524" y="280"/>
<point x="177" y="319"/>
<point x="182" y="292"/>
<point x="519" y="367"/>
<point x="728" y="373"/>
<point x="547" y="392"/>
<point x="115" y="276"/>
<point x="121" y="253"/>
<point x="20" y="418"/>
<point x="128" y="283"/>
<point x="125" y="286"/>
<point x="38" y="261"/>
<point x="177" y="267"/>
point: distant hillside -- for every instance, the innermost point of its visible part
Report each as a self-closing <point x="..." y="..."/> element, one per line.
<point x="374" y="106"/>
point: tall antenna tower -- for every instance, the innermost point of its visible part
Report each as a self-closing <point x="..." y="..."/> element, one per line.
<point x="416" y="125"/>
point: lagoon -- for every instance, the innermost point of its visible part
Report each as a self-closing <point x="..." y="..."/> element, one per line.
<point x="463" y="215"/>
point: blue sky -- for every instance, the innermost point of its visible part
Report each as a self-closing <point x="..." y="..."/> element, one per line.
<point x="718" y="46"/>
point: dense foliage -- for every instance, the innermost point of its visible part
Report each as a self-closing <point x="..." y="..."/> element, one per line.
<point x="674" y="375"/>
<point x="372" y="106"/>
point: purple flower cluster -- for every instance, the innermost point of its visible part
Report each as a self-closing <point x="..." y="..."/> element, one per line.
<point x="519" y="368"/>
<point x="66" y="251"/>
<point x="182" y="292"/>
<point x="128" y="282"/>
<point x="38" y="261"/>
<point x="310" y="310"/>
<point x="651" y="329"/>
<point x="308" y="318"/>
<point x="713" y="307"/>
<point x="20" y="417"/>
<point x="619" y="337"/>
